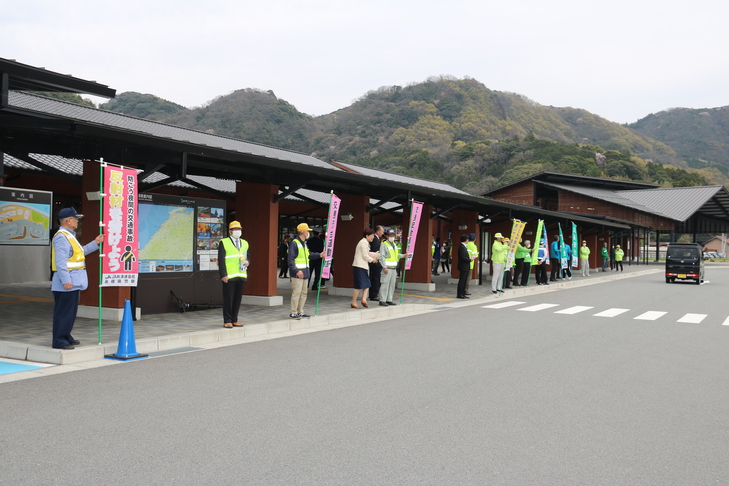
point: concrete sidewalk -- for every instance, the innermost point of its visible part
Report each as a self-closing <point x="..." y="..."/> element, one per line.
<point x="26" y="317"/>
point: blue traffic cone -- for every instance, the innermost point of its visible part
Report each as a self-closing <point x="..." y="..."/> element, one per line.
<point x="127" y="348"/>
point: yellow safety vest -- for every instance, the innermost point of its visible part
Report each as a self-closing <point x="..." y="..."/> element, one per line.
<point x="391" y="260"/>
<point x="472" y="252"/>
<point x="302" y="257"/>
<point x="235" y="258"/>
<point x="77" y="260"/>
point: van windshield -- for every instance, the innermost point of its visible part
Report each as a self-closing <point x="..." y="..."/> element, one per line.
<point x="683" y="253"/>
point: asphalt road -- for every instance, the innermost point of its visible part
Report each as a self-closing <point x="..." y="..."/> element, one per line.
<point x="462" y="395"/>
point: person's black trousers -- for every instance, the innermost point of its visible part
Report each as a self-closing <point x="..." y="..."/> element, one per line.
<point x="232" y="295"/>
<point x="315" y="273"/>
<point x="542" y="273"/>
<point x="64" y="315"/>
<point x="284" y="268"/>
<point x="517" y="271"/>
<point x="525" y="273"/>
<point x="375" y="273"/>
<point x="462" y="279"/>
<point x="556" y="269"/>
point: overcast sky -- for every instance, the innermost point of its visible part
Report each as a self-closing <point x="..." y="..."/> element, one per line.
<point x="620" y="59"/>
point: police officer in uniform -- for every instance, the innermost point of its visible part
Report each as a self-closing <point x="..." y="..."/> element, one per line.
<point x="68" y="262"/>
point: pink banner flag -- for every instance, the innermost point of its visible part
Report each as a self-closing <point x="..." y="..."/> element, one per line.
<point x="331" y="233"/>
<point x="121" y="246"/>
<point x="416" y="209"/>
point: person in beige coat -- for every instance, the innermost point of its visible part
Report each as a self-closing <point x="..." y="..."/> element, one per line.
<point x="360" y="266"/>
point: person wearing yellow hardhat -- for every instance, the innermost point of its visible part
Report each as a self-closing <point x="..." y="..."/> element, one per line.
<point x="298" y="258"/>
<point x="233" y="269"/>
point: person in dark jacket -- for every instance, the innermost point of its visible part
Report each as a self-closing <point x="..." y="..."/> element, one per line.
<point x="464" y="267"/>
<point x="283" y="250"/>
<point x="375" y="267"/>
<point x="315" y="245"/>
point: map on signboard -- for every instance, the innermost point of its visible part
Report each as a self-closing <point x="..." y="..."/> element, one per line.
<point x="24" y="223"/>
<point x="166" y="232"/>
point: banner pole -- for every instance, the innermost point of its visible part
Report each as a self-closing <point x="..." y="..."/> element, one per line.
<point x="321" y="264"/>
<point x="101" y="245"/>
<point x="404" y="267"/>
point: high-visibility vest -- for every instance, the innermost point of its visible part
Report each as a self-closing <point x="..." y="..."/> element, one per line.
<point x="392" y="258"/>
<point x="77" y="260"/>
<point x="472" y="252"/>
<point x="235" y="258"/>
<point x="302" y="257"/>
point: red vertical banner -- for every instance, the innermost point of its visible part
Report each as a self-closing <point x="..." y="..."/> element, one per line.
<point x="416" y="209"/>
<point x="120" y="212"/>
<point x="331" y="233"/>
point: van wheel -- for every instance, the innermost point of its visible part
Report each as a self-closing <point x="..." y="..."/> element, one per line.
<point x="698" y="281"/>
<point x="668" y="280"/>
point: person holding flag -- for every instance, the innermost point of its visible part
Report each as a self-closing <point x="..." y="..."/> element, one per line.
<point x="555" y="254"/>
<point x="389" y="258"/>
<point x="498" y="259"/>
<point x="68" y="263"/>
<point x="541" y="272"/>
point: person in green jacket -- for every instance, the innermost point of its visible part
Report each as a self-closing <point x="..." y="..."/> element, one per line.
<point x="522" y="254"/>
<point x="585" y="259"/>
<point x="498" y="260"/>
<point x="619" y="253"/>
<point x="605" y="254"/>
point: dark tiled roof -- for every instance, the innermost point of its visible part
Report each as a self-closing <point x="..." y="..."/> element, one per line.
<point x="48" y="106"/>
<point x="679" y="203"/>
<point x="381" y="174"/>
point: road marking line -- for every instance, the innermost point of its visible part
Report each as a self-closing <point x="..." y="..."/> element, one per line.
<point x="574" y="310"/>
<point x="692" y="318"/>
<point x="501" y="305"/>
<point x="610" y="312"/>
<point x="650" y="315"/>
<point x="726" y="322"/>
<point x="538" y="307"/>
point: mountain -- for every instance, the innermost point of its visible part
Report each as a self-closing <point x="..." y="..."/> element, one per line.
<point x="140" y="105"/>
<point x="698" y="136"/>
<point x="444" y="110"/>
<point x="445" y="129"/>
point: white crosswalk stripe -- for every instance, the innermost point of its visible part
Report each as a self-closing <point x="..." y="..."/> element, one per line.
<point x="574" y="310"/>
<point x="692" y="318"/>
<point x="538" y="307"/>
<point x="688" y="318"/>
<point x="501" y="305"/>
<point x="611" y="312"/>
<point x="650" y="315"/>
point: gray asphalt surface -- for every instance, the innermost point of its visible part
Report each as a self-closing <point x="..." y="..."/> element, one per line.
<point x="464" y="395"/>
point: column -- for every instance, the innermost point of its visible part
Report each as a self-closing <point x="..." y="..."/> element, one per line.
<point x="258" y="215"/>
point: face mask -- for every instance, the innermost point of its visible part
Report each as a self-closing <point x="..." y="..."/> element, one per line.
<point x="391" y="239"/>
<point x="584" y="244"/>
<point x="236" y="234"/>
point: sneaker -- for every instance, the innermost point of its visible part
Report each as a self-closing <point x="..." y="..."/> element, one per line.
<point x="391" y="303"/>
<point x="293" y="316"/>
<point x="304" y="315"/>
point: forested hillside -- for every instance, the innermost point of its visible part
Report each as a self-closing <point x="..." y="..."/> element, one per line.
<point x="446" y="129"/>
<point x="699" y="137"/>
